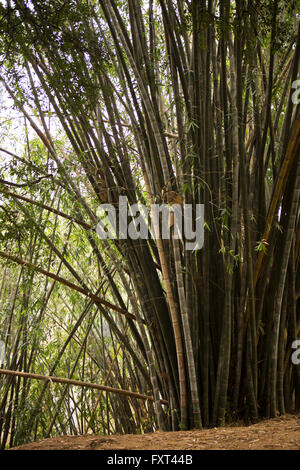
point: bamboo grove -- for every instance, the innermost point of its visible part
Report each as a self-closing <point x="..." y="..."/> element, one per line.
<point x="152" y="100"/>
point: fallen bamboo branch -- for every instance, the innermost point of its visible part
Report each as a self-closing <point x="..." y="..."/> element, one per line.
<point x="78" y="383"/>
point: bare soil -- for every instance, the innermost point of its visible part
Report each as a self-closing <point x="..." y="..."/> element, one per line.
<point x="282" y="433"/>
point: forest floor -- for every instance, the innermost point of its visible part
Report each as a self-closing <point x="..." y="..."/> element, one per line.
<point x="282" y="433"/>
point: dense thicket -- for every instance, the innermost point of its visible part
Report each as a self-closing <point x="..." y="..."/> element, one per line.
<point x="152" y="100"/>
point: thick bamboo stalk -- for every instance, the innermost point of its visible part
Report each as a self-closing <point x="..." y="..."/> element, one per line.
<point x="173" y="313"/>
<point x="286" y="166"/>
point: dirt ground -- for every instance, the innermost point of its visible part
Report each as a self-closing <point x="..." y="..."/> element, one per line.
<point x="282" y="433"/>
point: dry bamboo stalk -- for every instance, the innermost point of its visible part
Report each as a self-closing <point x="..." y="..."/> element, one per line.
<point x="173" y="312"/>
<point x="79" y="383"/>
